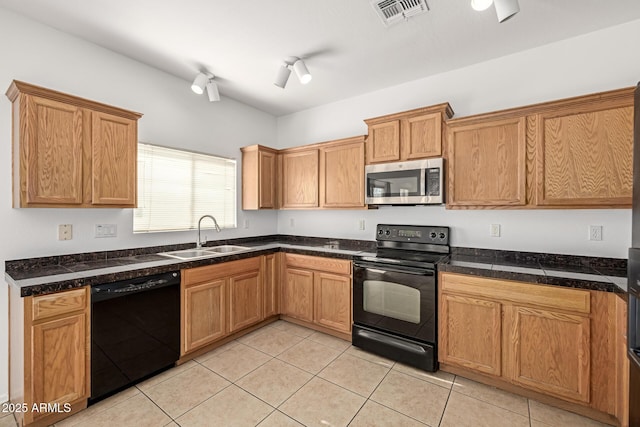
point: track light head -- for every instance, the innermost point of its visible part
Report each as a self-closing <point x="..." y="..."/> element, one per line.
<point x="506" y="9"/>
<point x="199" y="83"/>
<point x="481" y="5"/>
<point x="302" y="72"/>
<point x="283" y="76"/>
<point x="212" y="91"/>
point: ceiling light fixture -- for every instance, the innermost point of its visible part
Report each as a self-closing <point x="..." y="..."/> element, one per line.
<point x="298" y="66"/>
<point x="204" y="81"/>
<point x="212" y="91"/>
<point x="199" y="83"/>
<point x="505" y="9"/>
<point x="480" y="5"/>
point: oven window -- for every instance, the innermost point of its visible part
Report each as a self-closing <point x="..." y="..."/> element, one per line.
<point x="392" y="300"/>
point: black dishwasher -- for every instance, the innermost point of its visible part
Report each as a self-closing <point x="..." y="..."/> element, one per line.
<point x="135" y="331"/>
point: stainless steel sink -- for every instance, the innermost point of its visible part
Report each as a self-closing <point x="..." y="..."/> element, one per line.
<point x="225" y="249"/>
<point x="188" y="254"/>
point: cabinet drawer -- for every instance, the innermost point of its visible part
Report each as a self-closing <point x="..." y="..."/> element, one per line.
<point x="208" y="272"/>
<point x="522" y="293"/>
<point x="46" y="306"/>
<point x="331" y="265"/>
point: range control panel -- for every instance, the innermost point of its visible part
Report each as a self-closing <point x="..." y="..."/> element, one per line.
<point x="413" y="233"/>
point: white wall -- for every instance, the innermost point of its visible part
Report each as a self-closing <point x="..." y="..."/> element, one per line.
<point x="594" y="62"/>
<point x="173" y="116"/>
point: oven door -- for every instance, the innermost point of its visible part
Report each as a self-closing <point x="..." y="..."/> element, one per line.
<point x="400" y="300"/>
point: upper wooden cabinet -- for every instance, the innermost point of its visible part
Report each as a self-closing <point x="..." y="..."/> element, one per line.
<point x="575" y="152"/>
<point x="342" y="173"/>
<point x="71" y="152"/>
<point x="259" y="177"/>
<point x="300" y="178"/>
<point x="409" y="135"/>
<point x="326" y="175"/>
<point x="487" y="163"/>
<point x="584" y="152"/>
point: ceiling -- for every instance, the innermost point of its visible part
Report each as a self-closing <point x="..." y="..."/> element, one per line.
<point x="343" y="42"/>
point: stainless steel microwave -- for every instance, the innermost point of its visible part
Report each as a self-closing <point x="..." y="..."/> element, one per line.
<point x="415" y="182"/>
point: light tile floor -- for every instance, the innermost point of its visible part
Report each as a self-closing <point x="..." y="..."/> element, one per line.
<point x="287" y="375"/>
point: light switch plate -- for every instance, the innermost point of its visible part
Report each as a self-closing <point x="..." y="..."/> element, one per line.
<point x="494" y="230"/>
<point x="106" y="230"/>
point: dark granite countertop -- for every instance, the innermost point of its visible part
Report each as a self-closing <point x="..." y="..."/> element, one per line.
<point x="37" y="276"/>
<point x="591" y="273"/>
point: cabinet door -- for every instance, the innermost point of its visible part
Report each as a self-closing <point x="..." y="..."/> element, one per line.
<point x="267" y="180"/>
<point x="548" y="351"/>
<point x="383" y="143"/>
<point x="585" y="158"/>
<point x="271" y="278"/>
<point x="342" y="175"/>
<point x="422" y="136"/>
<point x="204" y="313"/>
<point x="300" y="179"/>
<point x="59" y="361"/>
<point x="245" y="299"/>
<point x="487" y="163"/>
<point x="470" y="332"/>
<point x="114" y="154"/>
<point x="297" y="294"/>
<point x="332" y="297"/>
<point x="52" y="152"/>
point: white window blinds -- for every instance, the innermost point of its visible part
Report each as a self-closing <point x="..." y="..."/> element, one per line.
<point x="175" y="188"/>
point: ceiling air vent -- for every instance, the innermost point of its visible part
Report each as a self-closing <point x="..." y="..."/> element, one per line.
<point x="394" y="11"/>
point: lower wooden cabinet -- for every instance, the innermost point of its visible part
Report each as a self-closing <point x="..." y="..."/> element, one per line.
<point x="318" y="290"/>
<point x="559" y="342"/>
<point x="271" y="291"/>
<point x="218" y="300"/>
<point x="297" y="294"/>
<point x="52" y="366"/>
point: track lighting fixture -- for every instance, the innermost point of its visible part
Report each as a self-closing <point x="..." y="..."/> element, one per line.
<point x="205" y="81"/>
<point x="505" y="9"/>
<point x="298" y="66"/>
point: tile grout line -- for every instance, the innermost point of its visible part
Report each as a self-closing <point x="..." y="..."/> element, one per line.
<point x="447" y="402"/>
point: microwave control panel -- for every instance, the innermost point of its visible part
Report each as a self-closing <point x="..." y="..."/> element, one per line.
<point x="433" y="181"/>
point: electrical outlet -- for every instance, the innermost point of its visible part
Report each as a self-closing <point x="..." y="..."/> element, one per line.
<point x="361" y="224"/>
<point x="494" y="230"/>
<point x="595" y="232"/>
<point x="65" y="231"/>
<point x="292" y="222"/>
<point x="246" y="223"/>
<point x="106" y="230"/>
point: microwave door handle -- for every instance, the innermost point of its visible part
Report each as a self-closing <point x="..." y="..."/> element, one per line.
<point x="423" y="182"/>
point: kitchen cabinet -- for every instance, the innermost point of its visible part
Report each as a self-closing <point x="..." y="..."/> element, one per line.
<point x="49" y="354"/>
<point x="584" y="152"/>
<point x="486" y="162"/>
<point x="71" y="152"/>
<point x="553" y="341"/>
<point x="300" y="178"/>
<point x="218" y="300"/>
<point x="271" y="292"/>
<point x="259" y="177"/>
<point x="410" y="135"/>
<point x="318" y="291"/>
<point x="342" y="173"/>
<point x="571" y="153"/>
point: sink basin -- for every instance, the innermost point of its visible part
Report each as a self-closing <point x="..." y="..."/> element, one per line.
<point x="225" y="249"/>
<point x="188" y="254"/>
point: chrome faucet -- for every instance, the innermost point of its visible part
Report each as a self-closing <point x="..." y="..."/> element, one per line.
<point x="199" y="242"/>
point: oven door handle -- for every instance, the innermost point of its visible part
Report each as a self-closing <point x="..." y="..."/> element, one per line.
<point x="403" y="270"/>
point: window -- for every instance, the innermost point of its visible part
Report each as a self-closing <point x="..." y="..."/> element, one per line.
<point x="176" y="187"/>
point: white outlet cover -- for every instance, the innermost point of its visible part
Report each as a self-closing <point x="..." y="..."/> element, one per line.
<point x="65" y="232"/>
<point x="494" y="230"/>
